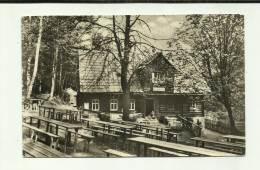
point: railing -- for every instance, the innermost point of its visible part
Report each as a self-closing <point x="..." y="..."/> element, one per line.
<point x="217" y="126"/>
<point x="194" y="128"/>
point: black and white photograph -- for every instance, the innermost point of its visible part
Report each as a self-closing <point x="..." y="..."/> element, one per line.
<point x="99" y="86"/>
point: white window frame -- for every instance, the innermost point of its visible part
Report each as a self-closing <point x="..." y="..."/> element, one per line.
<point x="95" y="104"/>
<point x="158" y="76"/>
<point x="168" y="106"/>
<point x="113" y="105"/>
<point x="193" y="105"/>
<point x="132" y="104"/>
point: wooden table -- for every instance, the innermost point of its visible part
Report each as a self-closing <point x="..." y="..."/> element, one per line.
<point x="72" y="114"/>
<point x="234" y="138"/>
<point x="174" y="146"/>
<point x="67" y="126"/>
<point x="110" y="124"/>
<point x="113" y="125"/>
<point x="143" y="126"/>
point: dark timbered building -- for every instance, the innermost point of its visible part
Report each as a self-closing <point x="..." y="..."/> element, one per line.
<point x="154" y="88"/>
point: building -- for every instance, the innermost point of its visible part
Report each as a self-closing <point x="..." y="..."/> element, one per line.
<point x="154" y="88"/>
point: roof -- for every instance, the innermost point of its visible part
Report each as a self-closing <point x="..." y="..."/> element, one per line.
<point x="101" y="73"/>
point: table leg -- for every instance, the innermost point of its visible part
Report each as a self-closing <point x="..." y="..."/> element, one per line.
<point x="124" y="137"/>
<point x="44" y="112"/>
<point x="53" y="112"/>
<point x="138" y="149"/>
<point x="47" y="126"/>
<point x="145" y="150"/>
<point x="108" y="128"/>
<point x="48" y="113"/>
<point x="197" y="143"/>
<point x="57" y="129"/>
<point x="76" y="140"/>
<point x="66" y="136"/>
<point x="202" y="144"/>
<point x="39" y="123"/>
<point x="39" y="110"/>
<point x="85" y="146"/>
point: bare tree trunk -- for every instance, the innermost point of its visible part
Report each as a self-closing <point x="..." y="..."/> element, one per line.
<point x="28" y="73"/>
<point x="36" y="60"/>
<point x="126" y="103"/>
<point x="124" y="70"/>
<point x="60" y="78"/>
<point x="54" y="74"/>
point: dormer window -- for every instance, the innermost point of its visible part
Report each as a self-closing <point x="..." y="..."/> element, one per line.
<point x="158" y="76"/>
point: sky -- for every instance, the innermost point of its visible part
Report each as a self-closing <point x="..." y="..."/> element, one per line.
<point x="161" y="27"/>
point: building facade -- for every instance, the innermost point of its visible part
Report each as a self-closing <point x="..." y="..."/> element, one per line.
<point x="153" y="90"/>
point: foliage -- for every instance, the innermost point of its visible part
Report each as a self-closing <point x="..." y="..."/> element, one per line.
<point x="214" y="46"/>
<point x="64" y="32"/>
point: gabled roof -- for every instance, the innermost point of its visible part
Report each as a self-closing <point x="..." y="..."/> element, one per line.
<point x="102" y="74"/>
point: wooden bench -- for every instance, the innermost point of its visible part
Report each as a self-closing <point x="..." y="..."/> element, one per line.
<point x="225" y="146"/>
<point x="149" y="135"/>
<point x="35" y="131"/>
<point x="39" y="150"/>
<point x="127" y="132"/>
<point x="87" y="138"/>
<point x="117" y="153"/>
<point x="161" y="152"/>
<point x="96" y="132"/>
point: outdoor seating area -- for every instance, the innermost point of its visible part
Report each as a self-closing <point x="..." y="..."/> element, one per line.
<point x="54" y="136"/>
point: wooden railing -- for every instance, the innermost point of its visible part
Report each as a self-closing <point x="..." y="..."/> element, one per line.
<point x="217" y="126"/>
<point x="194" y="128"/>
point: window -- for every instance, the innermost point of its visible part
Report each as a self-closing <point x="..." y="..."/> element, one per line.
<point x="193" y="105"/>
<point x="170" y="106"/>
<point x="86" y="105"/>
<point x="113" y="105"/>
<point x="132" y="104"/>
<point x="95" y="104"/>
<point x="158" y="76"/>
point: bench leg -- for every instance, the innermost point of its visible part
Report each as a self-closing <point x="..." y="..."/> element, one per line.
<point x="36" y="137"/>
<point x="85" y="146"/>
<point x="51" y="143"/>
<point x="56" y="144"/>
<point x="32" y="135"/>
<point x="108" y="155"/>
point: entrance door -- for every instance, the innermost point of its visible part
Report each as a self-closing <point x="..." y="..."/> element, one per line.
<point x="149" y="106"/>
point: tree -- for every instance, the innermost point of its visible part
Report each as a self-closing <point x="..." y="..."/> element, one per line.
<point x="36" y="60"/>
<point x="62" y="33"/>
<point x="120" y="38"/>
<point x="214" y="46"/>
<point x="56" y="60"/>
